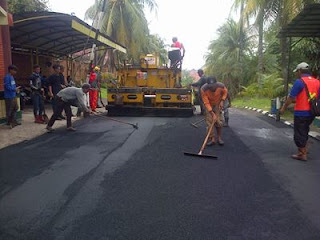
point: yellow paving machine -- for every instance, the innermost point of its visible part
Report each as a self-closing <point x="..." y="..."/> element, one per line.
<point x="149" y="89"/>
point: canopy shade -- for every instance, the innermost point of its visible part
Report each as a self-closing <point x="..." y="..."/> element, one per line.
<point x="305" y="24"/>
<point x="56" y="34"/>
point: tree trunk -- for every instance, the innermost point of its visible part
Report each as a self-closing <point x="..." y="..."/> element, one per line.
<point x="284" y="47"/>
<point x="241" y="45"/>
<point x="260" y="47"/>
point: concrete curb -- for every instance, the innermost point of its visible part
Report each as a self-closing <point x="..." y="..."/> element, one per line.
<point x="312" y="134"/>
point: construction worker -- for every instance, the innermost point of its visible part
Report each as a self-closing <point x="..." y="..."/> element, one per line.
<point x="302" y="115"/>
<point x="227" y="105"/>
<point x="179" y="45"/>
<point x="199" y="85"/>
<point x="56" y="83"/>
<point x="93" y="93"/>
<point x="10" y="93"/>
<point x="66" y="98"/>
<point x="37" y="94"/>
<point x="214" y="94"/>
<point x="175" y="55"/>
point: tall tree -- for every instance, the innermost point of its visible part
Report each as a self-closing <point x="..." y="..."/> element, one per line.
<point x="222" y="59"/>
<point x="125" y="21"/>
<point x="21" y="6"/>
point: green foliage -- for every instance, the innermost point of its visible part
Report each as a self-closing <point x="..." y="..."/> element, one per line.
<point x="272" y="86"/>
<point x="222" y="59"/>
<point x="258" y="74"/>
<point x="156" y="46"/>
<point x="125" y="21"/>
<point x="107" y="77"/>
<point x="21" y="6"/>
<point x="186" y="79"/>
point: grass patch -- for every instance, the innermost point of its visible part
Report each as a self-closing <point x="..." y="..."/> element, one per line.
<point x="260" y="103"/>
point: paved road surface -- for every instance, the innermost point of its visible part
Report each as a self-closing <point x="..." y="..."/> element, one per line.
<point x="109" y="181"/>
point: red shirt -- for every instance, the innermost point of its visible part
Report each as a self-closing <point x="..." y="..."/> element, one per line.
<point x="177" y="45"/>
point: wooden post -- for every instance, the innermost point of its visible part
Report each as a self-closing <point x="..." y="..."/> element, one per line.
<point x="5" y="46"/>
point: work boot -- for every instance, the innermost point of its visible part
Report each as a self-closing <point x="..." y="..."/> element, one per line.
<point x="301" y="155"/>
<point x="211" y="142"/>
<point x="38" y="119"/>
<point x="71" y="129"/>
<point x="44" y="119"/>
<point x="49" y="129"/>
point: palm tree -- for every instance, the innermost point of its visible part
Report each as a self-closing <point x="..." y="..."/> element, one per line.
<point x="222" y="59"/>
<point x="125" y="22"/>
<point x="157" y="46"/>
<point x="282" y="11"/>
<point x="262" y="10"/>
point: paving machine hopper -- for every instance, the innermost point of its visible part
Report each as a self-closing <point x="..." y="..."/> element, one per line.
<point x="149" y="89"/>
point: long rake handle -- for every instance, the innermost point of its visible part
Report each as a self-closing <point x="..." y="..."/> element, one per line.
<point x="119" y="121"/>
<point x="206" y="139"/>
<point x="197" y="122"/>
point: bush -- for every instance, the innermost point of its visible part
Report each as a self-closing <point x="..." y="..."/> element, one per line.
<point x="272" y="86"/>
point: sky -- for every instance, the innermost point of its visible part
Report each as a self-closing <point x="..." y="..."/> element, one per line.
<point x="194" y="23"/>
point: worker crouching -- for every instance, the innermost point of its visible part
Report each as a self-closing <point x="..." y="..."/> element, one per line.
<point x="66" y="98"/>
<point x="214" y="94"/>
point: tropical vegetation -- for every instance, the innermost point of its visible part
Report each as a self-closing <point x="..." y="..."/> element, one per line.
<point x="248" y="55"/>
<point x="21" y="6"/>
<point x="125" y="22"/>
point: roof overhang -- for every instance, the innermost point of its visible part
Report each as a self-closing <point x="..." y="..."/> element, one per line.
<point x="3" y="17"/>
<point x="305" y="24"/>
<point x="57" y="34"/>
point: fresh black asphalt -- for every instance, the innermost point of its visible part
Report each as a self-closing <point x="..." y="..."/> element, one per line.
<point x="112" y="182"/>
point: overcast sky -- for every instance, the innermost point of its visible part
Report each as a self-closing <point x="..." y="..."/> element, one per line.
<point x="193" y="22"/>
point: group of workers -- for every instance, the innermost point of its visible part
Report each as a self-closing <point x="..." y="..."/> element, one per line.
<point x="60" y="91"/>
<point x="214" y="98"/>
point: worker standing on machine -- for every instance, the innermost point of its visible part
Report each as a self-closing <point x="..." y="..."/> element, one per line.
<point x="214" y="94"/>
<point x="175" y="54"/>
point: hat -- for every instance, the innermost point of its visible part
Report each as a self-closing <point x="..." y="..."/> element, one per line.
<point x="96" y="68"/>
<point x="86" y="86"/>
<point x="303" y="65"/>
<point x="211" y="80"/>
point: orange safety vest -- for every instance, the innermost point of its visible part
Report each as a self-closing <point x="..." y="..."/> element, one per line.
<point x="302" y="100"/>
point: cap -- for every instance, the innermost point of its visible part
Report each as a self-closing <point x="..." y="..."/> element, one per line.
<point x="211" y="79"/>
<point x="86" y="86"/>
<point x="303" y="65"/>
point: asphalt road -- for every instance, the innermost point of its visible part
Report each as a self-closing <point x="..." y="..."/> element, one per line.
<point x="109" y="181"/>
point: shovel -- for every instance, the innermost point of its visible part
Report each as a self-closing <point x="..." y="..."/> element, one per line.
<point x="200" y="153"/>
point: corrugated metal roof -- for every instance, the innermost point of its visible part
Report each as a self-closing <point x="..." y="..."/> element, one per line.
<point x="56" y="34"/>
<point x="305" y="24"/>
